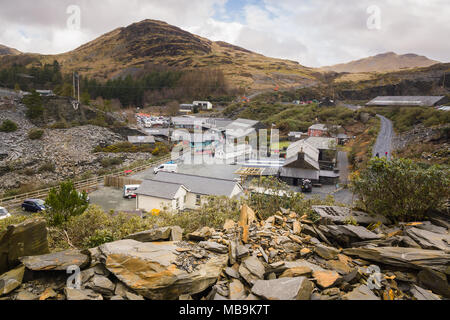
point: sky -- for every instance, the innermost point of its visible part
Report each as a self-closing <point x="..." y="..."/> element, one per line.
<point x="313" y="32"/>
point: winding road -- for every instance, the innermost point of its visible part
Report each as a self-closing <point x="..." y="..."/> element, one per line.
<point x="384" y="140"/>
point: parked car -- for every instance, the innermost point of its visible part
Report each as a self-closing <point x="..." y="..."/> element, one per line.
<point x="33" y="205"/>
<point x="168" y="167"/>
<point x="129" y="191"/>
<point x="307" y="186"/>
<point x="4" y="213"/>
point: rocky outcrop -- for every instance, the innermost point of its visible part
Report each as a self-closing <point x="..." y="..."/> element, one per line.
<point x="285" y="257"/>
<point x="25" y="239"/>
<point x="152" y="270"/>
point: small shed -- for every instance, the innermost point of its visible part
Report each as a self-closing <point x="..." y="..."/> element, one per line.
<point x="139" y="140"/>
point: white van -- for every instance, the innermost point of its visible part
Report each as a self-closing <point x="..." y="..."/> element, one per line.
<point x="167" y="167"/>
<point x="129" y="191"/>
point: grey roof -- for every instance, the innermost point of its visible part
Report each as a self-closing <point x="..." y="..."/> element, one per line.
<point x="424" y="101"/>
<point x="141" y="139"/>
<point x="198" y="184"/>
<point x="322" y="143"/>
<point x="319" y="126"/>
<point x="158" y="132"/>
<point x="159" y="189"/>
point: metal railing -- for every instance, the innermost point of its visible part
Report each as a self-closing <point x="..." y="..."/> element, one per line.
<point x="83" y="185"/>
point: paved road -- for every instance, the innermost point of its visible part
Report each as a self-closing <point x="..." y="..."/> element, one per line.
<point x="384" y="140"/>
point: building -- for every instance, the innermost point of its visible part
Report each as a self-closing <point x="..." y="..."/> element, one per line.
<point x="159" y="195"/>
<point x="314" y="158"/>
<point x="46" y="93"/>
<point x="407" y="101"/>
<point x="318" y="130"/>
<point x="138" y="140"/>
<point x="295" y="136"/>
<point x="187" y="108"/>
<point x="302" y="162"/>
<point x="203" y="105"/>
<point x="161" y="133"/>
<point x="242" y="128"/>
<point x="175" y="191"/>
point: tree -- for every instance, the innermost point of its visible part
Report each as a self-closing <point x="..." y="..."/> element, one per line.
<point x="85" y="98"/>
<point x="401" y="189"/>
<point x="33" y="102"/>
<point x="64" y="203"/>
<point x="173" y="108"/>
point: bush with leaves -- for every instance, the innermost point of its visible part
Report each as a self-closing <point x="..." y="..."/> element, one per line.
<point x="35" y="134"/>
<point x="33" y="102"/>
<point x="65" y="202"/>
<point x="8" y="126"/>
<point x="401" y="189"/>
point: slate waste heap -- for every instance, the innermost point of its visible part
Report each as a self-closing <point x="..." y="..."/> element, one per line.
<point x="285" y="257"/>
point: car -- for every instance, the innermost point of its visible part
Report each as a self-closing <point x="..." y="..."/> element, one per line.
<point x="307" y="186"/>
<point x="129" y="191"/>
<point x="4" y="213"/>
<point x="168" y="167"/>
<point x="33" y="205"/>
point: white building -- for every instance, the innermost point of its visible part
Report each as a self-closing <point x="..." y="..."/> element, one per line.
<point x="204" y="105"/>
<point x="175" y="191"/>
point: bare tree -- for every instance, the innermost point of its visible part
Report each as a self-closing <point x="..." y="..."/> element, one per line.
<point x="173" y="108"/>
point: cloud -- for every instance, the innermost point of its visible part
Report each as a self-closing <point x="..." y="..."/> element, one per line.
<point x="315" y="33"/>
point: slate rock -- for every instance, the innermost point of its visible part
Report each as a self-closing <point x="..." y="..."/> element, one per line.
<point x="326" y="279"/>
<point x="81" y="294"/>
<point x="11" y="280"/>
<point x="299" y="288"/>
<point x="213" y="246"/>
<point x="58" y="261"/>
<point x="149" y="269"/>
<point x="28" y="238"/>
<point x="327" y="253"/>
<point x="422" y="294"/>
<point x="435" y="281"/>
<point x="361" y="292"/>
<point x="429" y="240"/>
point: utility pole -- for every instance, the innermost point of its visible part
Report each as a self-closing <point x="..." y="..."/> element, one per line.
<point x="73" y="77"/>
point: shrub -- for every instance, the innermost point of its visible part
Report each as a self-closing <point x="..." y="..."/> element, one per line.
<point x="47" y="167"/>
<point x="64" y="203"/>
<point x="109" y="162"/>
<point x="401" y="189"/>
<point x="33" y="102"/>
<point x="35" y="134"/>
<point x="8" y="126"/>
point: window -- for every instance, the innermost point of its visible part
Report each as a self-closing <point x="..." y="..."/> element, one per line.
<point x="198" y="200"/>
<point x="177" y="204"/>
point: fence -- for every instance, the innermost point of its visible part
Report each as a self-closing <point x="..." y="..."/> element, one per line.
<point x="87" y="185"/>
<point x="120" y="182"/>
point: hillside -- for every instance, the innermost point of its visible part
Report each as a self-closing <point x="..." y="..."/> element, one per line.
<point x="128" y="49"/>
<point x="382" y="63"/>
<point x="4" y="50"/>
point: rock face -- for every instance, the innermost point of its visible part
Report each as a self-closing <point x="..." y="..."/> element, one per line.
<point x="340" y="214"/>
<point x="150" y="269"/>
<point x="59" y="261"/>
<point x="158" y="234"/>
<point x="299" y="288"/>
<point x="285" y="257"/>
<point x="404" y="257"/>
<point x="26" y="239"/>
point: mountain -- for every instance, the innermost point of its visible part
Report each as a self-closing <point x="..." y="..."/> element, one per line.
<point x="4" y="50"/>
<point x="383" y="63"/>
<point x="126" y="50"/>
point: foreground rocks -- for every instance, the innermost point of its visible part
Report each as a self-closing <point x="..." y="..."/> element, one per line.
<point x="285" y="257"/>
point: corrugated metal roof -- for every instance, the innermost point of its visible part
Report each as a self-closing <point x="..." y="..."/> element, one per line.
<point x="321" y="127"/>
<point x="322" y="143"/>
<point x="198" y="184"/>
<point x="141" y="139"/>
<point x="424" y="101"/>
<point x="159" y="189"/>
